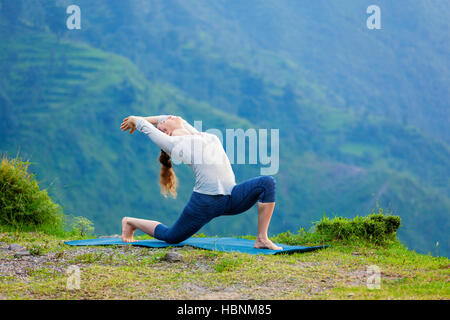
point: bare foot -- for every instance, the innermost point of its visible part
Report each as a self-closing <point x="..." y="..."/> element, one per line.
<point x="266" y="244"/>
<point x="127" y="231"/>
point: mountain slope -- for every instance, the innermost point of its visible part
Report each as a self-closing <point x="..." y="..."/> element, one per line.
<point x="323" y="50"/>
<point x="62" y="102"/>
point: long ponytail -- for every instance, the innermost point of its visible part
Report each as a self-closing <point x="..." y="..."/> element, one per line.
<point x="167" y="178"/>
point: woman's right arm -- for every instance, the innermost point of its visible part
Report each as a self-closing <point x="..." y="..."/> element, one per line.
<point x="152" y="119"/>
<point x="189" y="128"/>
<point x="164" y="141"/>
<point x="156" y="119"/>
<point x="186" y="125"/>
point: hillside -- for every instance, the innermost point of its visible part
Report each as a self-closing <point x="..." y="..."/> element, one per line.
<point x="127" y="272"/>
<point x="64" y="95"/>
<point x="362" y="259"/>
<point x="219" y="51"/>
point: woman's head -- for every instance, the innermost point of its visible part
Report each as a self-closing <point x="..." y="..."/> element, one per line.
<point x="170" y="124"/>
<point x="167" y="178"/>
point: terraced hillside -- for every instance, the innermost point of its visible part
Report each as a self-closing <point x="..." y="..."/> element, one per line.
<point x="62" y="102"/>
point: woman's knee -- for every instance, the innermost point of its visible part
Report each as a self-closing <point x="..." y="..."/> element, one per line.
<point x="269" y="184"/>
<point x="180" y="231"/>
<point x="174" y="239"/>
<point x="168" y="235"/>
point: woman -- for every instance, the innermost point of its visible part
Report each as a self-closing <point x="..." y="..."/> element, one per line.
<point x="215" y="193"/>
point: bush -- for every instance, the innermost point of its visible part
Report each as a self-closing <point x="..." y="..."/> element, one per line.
<point x="80" y="226"/>
<point x="377" y="228"/>
<point x="302" y="237"/>
<point x="23" y="206"/>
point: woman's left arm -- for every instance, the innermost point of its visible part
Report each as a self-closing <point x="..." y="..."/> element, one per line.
<point x="156" y="119"/>
<point x="186" y="124"/>
<point x="152" y="119"/>
<point x="162" y="140"/>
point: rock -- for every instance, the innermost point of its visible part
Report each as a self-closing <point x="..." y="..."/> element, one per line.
<point x="15" y="247"/>
<point x="356" y="253"/>
<point x="173" y="257"/>
<point x="21" y="253"/>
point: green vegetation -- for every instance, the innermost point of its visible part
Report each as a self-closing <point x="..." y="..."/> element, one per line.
<point x="375" y="228"/>
<point x="23" y="205"/>
<point x="357" y="124"/>
<point x="126" y="272"/>
<point x="82" y="226"/>
<point x="227" y="264"/>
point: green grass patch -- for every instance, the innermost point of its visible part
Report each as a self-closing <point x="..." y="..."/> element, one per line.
<point x="26" y="208"/>
<point x="376" y="228"/>
<point x="227" y="264"/>
<point x="23" y="205"/>
<point x="339" y="272"/>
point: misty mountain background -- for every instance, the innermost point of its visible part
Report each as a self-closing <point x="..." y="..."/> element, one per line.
<point x="363" y="114"/>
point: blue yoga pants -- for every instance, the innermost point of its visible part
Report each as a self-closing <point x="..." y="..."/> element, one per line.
<point x="202" y="208"/>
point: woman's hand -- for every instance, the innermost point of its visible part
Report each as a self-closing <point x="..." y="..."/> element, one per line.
<point x="129" y="123"/>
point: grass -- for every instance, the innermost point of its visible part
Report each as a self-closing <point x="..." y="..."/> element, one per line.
<point x="125" y="272"/>
<point x="227" y="264"/>
<point x="342" y="271"/>
<point x="23" y="205"/>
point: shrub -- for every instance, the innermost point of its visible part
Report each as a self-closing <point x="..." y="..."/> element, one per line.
<point x="83" y="227"/>
<point x="36" y="250"/>
<point x="23" y="205"/>
<point x="302" y="237"/>
<point x="377" y="228"/>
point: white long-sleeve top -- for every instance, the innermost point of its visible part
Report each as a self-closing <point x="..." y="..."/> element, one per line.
<point x="201" y="151"/>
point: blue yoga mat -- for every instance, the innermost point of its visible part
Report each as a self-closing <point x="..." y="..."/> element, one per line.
<point x="219" y="244"/>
